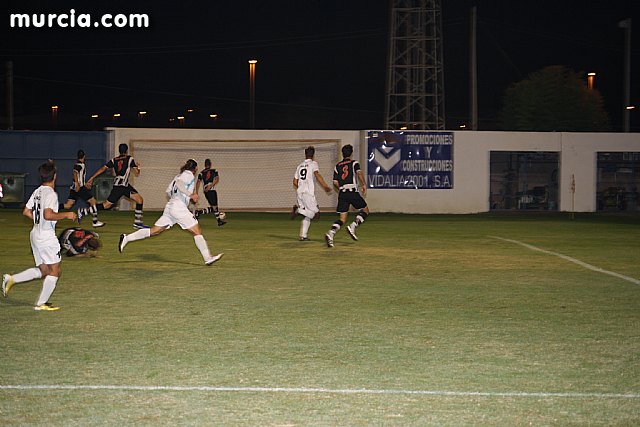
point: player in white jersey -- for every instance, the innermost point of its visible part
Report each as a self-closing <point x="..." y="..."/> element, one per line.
<point x="180" y="191"/>
<point x="303" y="181"/>
<point x="42" y="209"/>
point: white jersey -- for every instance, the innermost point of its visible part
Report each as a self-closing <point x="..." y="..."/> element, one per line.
<point x="181" y="188"/>
<point x="42" y="198"/>
<point x="305" y="174"/>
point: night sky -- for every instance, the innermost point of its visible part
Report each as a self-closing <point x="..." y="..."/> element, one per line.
<point x="321" y="63"/>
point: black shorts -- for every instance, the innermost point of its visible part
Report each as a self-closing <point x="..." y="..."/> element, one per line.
<point x="118" y="191"/>
<point x="353" y="198"/>
<point x="84" y="194"/>
<point x="212" y="197"/>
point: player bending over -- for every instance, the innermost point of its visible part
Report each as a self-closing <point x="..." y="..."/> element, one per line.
<point x="345" y="180"/>
<point x="42" y="209"/>
<point x="176" y="211"/>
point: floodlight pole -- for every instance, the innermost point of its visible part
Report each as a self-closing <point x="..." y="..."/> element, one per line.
<point x="626" y="24"/>
<point x="252" y="93"/>
<point x="10" y="95"/>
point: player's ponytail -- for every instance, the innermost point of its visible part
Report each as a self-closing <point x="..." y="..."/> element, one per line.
<point x="191" y="165"/>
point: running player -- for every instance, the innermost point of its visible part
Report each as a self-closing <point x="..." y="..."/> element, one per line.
<point x="79" y="242"/>
<point x="303" y="182"/>
<point x="209" y="178"/>
<point x="345" y="179"/>
<point x="42" y="209"/>
<point x="176" y="211"/>
<point x="123" y="166"/>
<point x="79" y="190"/>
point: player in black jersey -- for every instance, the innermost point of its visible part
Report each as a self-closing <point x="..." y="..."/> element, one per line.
<point x="209" y="179"/>
<point x="79" y="190"/>
<point x="122" y="166"/>
<point x="345" y="178"/>
<point x="79" y="242"/>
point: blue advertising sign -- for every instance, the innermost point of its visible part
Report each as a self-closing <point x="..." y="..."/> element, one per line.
<point x="410" y="159"/>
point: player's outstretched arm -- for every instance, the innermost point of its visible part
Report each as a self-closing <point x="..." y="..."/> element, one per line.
<point x="50" y="215"/>
<point x="98" y="172"/>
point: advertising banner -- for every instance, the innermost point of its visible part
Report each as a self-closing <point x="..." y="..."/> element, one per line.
<point x="410" y="160"/>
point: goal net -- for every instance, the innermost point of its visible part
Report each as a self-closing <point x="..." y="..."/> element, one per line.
<point x="254" y="175"/>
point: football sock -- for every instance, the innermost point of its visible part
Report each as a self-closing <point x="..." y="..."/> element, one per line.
<point x="201" y="244"/>
<point x="138" y="214"/>
<point x="304" y="227"/>
<point x="208" y="210"/>
<point x="28" y="274"/>
<point x="94" y="212"/>
<point x="138" y="235"/>
<point x="48" y="286"/>
<point x="335" y="227"/>
<point x="360" y="218"/>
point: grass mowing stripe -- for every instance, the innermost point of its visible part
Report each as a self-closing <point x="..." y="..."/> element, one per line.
<point x="573" y="260"/>
<point x="323" y="391"/>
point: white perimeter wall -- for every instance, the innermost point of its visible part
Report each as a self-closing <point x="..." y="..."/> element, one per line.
<point x="470" y="193"/>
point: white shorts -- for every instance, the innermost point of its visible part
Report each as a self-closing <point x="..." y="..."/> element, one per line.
<point x="176" y="213"/>
<point x="307" y="205"/>
<point x="45" y="251"/>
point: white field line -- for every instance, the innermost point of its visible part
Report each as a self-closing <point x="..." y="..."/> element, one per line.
<point x="438" y="393"/>
<point x="573" y="260"/>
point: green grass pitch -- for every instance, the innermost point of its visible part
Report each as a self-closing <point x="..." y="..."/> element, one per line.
<point x="426" y="320"/>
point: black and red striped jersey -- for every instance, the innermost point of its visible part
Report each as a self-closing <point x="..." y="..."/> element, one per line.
<point x="207" y="176"/>
<point x="122" y="166"/>
<point x="345" y="173"/>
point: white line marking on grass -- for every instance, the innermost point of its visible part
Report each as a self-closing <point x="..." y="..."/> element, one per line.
<point x="441" y="393"/>
<point x="573" y="260"/>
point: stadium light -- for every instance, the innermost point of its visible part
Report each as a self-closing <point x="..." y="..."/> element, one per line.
<point x="54" y="115"/>
<point x="590" y="79"/>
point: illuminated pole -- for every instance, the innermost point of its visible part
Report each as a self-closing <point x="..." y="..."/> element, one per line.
<point x="252" y="93"/>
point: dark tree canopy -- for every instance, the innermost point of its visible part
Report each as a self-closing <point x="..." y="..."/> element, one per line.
<point x="554" y="99"/>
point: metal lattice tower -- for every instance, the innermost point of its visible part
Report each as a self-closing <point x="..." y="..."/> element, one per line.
<point x="415" y="77"/>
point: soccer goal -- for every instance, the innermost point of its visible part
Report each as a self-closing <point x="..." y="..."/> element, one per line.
<point x="254" y="175"/>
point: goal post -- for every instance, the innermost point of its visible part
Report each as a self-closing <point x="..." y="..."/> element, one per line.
<point x="255" y="175"/>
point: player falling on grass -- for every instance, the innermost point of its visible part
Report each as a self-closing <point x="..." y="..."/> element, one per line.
<point x="42" y="209"/>
<point x="303" y="182"/>
<point x="122" y="165"/>
<point x="79" y="190"/>
<point x="209" y="179"/>
<point x="176" y="211"/>
<point x="345" y="178"/>
<point x="79" y="242"/>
